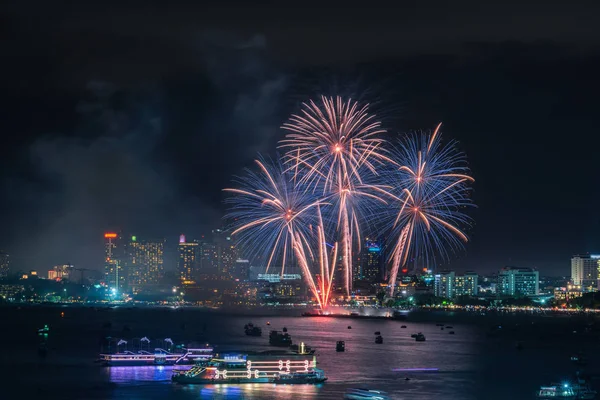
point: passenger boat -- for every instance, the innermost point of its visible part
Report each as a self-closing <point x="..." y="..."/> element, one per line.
<point x="159" y="357"/>
<point x="364" y="394"/>
<point x="262" y="367"/>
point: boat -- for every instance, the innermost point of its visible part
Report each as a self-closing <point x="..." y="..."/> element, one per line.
<point x="379" y="339"/>
<point x="252" y="330"/>
<point x="364" y="394"/>
<point x="312" y="376"/>
<point x="250" y="367"/>
<point x="301" y="349"/>
<point x="449" y="327"/>
<point x="159" y="357"/>
<point x="420" y="337"/>
<point x="414" y="335"/>
<point x="43" y="330"/>
<point x="280" y="339"/>
<point x="340" y="346"/>
<point x="378" y="333"/>
<point x="451" y="332"/>
<point x="403" y="326"/>
<point x="556" y="392"/>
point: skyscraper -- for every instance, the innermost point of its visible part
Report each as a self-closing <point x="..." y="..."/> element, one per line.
<point x="114" y="275"/>
<point x="187" y="262"/>
<point x="144" y="262"/>
<point x="4" y="264"/>
<point x="584" y="270"/>
<point x="372" y="261"/>
<point x="226" y="251"/>
<point x="444" y="284"/>
<point x="207" y="254"/>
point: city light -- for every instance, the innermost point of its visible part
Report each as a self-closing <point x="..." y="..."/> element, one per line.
<point x="110" y="235"/>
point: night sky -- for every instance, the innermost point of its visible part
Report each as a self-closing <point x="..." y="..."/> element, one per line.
<point x="135" y="116"/>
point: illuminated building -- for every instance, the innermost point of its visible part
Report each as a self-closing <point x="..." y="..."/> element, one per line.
<point x="144" y="263"/>
<point x="584" y="270"/>
<point x="186" y="264"/>
<point x="113" y="262"/>
<point x="60" y="272"/>
<point x="240" y="270"/>
<point x="568" y="293"/>
<point x="226" y="251"/>
<point x="444" y="284"/>
<point x="4" y="264"/>
<point x="208" y="256"/>
<point x="10" y="291"/>
<point x="466" y="285"/>
<point x="372" y="261"/>
<point x="513" y="281"/>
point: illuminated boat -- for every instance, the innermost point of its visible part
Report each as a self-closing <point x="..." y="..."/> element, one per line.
<point x="557" y="392"/>
<point x="159" y="357"/>
<point x="250" y="368"/>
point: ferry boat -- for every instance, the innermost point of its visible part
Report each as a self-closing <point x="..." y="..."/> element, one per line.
<point x="159" y="357"/>
<point x="265" y="367"/>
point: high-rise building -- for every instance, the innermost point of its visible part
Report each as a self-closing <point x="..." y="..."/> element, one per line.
<point x="513" y="281"/>
<point x="466" y="285"/>
<point x="444" y="284"/>
<point x="241" y="270"/>
<point x="372" y="261"/>
<point x="584" y="270"/>
<point x="187" y="265"/>
<point x="114" y="272"/>
<point x="207" y="256"/>
<point x="226" y="251"/>
<point x="144" y="263"/>
<point x="4" y="264"/>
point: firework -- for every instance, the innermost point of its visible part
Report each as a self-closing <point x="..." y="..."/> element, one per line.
<point x="433" y="187"/>
<point x="333" y="148"/>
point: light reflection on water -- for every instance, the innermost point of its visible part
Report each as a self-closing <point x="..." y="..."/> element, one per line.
<point x="141" y="373"/>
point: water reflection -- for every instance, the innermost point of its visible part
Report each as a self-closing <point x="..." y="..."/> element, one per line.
<point x="142" y="373"/>
<point x="258" y="390"/>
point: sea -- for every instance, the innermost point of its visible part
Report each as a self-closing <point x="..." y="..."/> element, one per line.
<point x="493" y="356"/>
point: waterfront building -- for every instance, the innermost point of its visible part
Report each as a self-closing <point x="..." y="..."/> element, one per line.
<point x="114" y="272"/>
<point x="568" y="293"/>
<point x="584" y="270"/>
<point x="9" y="292"/>
<point x="187" y="261"/>
<point x="4" y="264"/>
<point x="513" y="281"/>
<point x="444" y="285"/>
<point x="145" y="260"/>
<point x="466" y="285"/>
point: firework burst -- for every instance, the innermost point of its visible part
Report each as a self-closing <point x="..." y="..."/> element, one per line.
<point x="333" y="149"/>
<point x="433" y="187"/>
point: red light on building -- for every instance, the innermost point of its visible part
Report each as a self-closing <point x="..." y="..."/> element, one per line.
<point x="110" y="235"/>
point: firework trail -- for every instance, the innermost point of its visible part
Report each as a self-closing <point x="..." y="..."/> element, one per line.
<point x="333" y="148"/>
<point x="433" y="190"/>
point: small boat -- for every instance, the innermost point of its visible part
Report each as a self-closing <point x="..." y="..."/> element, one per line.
<point x="414" y="335"/>
<point x="451" y="332"/>
<point x="340" y="346"/>
<point x="349" y="327"/>
<point x="43" y="330"/>
<point x="403" y="326"/>
<point x="284" y="329"/>
<point x="564" y="391"/>
<point x="280" y="339"/>
<point x="420" y="337"/>
<point x="312" y="376"/>
<point x="442" y="328"/>
<point x="301" y="349"/>
<point x="364" y="394"/>
<point x="449" y="327"/>
<point x="378" y="333"/>
<point x="252" y="330"/>
<point x="379" y="339"/>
